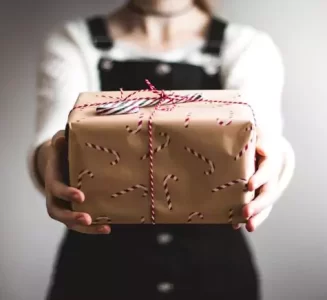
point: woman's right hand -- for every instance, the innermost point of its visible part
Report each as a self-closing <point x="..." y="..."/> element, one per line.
<point x="59" y="196"/>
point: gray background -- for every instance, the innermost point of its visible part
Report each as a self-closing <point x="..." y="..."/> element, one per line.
<point x="290" y="246"/>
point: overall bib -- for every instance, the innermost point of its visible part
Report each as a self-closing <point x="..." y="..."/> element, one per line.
<point x="162" y="261"/>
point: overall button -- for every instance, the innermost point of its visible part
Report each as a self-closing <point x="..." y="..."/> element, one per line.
<point x="164" y="238"/>
<point x="165" y="287"/>
<point x="163" y="69"/>
<point x="107" y="64"/>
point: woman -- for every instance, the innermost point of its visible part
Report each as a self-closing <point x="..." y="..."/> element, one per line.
<point x="177" y="45"/>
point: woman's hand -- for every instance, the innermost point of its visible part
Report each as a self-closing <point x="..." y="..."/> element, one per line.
<point x="59" y="196"/>
<point x="264" y="182"/>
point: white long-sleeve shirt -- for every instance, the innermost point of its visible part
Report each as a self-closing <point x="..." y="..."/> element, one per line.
<point x="249" y="62"/>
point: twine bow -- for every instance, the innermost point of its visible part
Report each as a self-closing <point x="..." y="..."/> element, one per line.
<point x="129" y="106"/>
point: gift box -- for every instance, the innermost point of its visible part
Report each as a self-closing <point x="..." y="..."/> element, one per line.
<point x="162" y="157"/>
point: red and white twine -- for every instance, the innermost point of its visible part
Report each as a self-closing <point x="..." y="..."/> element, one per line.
<point x="159" y="148"/>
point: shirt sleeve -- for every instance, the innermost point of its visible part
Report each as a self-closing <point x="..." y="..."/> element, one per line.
<point x="253" y="65"/>
<point x="61" y="76"/>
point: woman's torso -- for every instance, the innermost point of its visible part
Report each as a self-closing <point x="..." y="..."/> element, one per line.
<point x="162" y="259"/>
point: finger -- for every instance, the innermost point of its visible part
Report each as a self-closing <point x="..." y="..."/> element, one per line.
<point x="266" y="198"/>
<point x="64" y="192"/>
<point x="58" y="137"/>
<point x="59" y="212"/>
<point x="237" y="226"/>
<point x="55" y="174"/>
<point x="99" y="229"/>
<point x="262" y="175"/>
<point x="257" y="220"/>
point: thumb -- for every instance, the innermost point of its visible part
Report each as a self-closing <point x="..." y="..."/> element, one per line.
<point x="59" y="140"/>
<point x="59" y="155"/>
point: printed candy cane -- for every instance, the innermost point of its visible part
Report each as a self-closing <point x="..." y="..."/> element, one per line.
<point x="223" y="123"/>
<point x="139" y="125"/>
<point x="226" y="123"/>
<point x="246" y="147"/>
<point x="131" y="189"/>
<point x="81" y="175"/>
<point x="165" y="185"/>
<point x="200" y="156"/>
<point x="100" y="148"/>
<point x="228" y="184"/>
<point x="230" y="216"/>
<point x="161" y="147"/>
<point x="194" y="214"/>
<point x="187" y="120"/>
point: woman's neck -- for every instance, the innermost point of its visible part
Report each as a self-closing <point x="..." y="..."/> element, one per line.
<point x="161" y="8"/>
<point x="160" y="32"/>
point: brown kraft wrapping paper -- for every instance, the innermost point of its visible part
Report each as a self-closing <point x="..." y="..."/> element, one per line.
<point x="204" y="154"/>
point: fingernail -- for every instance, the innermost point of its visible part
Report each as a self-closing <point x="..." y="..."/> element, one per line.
<point x="77" y="196"/>
<point x="81" y="219"/>
<point x="102" y="229"/>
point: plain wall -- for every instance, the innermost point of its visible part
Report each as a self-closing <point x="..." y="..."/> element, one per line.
<point x="290" y="246"/>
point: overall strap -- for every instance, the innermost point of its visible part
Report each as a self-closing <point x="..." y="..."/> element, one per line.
<point x="215" y="37"/>
<point x="99" y="33"/>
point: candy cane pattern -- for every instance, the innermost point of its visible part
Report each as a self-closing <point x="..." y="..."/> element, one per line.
<point x="131" y="189"/>
<point x="187" y="120"/>
<point x="228" y="184"/>
<point x="81" y="175"/>
<point x="223" y="123"/>
<point x="194" y="214"/>
<point x="161" y="147"/>
<point x="139" y="125"/>
<point x="200" y="156"/>
<point x="247" y="146"/>
<point x="100" y="148"/>
<point x="165" y="185"/>
<point x="230" y="216"/>
<point x="226" y="123"/>
<point x="102" y="221"/>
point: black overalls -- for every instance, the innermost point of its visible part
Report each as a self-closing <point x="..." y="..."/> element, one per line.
<point x="163" y="261"/>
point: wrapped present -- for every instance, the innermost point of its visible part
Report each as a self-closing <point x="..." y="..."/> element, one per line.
<point x="154" y="157"/>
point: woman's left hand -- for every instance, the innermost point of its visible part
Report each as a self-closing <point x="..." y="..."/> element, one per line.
<point x="264" y="182"/>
